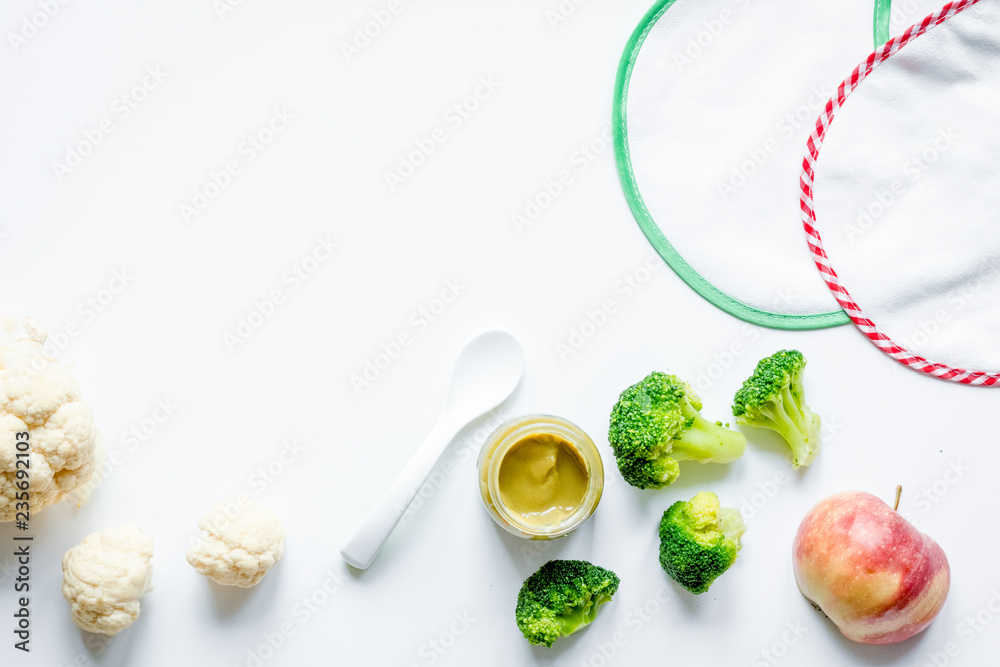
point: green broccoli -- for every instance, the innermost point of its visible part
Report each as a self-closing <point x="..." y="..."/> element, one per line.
<point x="656" y="423"/>
<point x="773" y="398"/>
<point x="563" y="596"/>
<point x="699" y="540"/>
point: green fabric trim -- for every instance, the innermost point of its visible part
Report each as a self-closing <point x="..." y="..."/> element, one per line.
<point x="649" y="227"/>
<point x="882" y="12"/>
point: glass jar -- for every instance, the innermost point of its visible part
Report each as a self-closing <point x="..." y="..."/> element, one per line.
<point x="519" y="430"/>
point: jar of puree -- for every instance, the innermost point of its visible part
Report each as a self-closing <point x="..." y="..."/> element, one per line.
<point x="540" y="477"/>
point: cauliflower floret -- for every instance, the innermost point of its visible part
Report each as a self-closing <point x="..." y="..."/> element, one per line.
<point x="105" y="575"/>
<point x="41" y="396"/>
<point x="33" y="385"/>
<point x="244" y="542"/>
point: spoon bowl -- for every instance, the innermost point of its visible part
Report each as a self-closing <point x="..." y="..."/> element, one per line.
<point x="487" y="371"/>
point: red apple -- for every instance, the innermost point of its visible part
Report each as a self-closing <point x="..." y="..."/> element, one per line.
<point x="870" y="570"/>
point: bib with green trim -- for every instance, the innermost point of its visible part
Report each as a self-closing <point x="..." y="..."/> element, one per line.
<point x="714" y="101"/>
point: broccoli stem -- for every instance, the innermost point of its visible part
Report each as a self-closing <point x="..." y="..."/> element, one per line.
<point x="706" y="441"/>
<point x="794" y="389"/>
<point x="800" y="428"/>
<point x="574" y="618"/>
<point x="580" y="615"/>
<point x="791" y="408"/>
<point x="732" y="524"/>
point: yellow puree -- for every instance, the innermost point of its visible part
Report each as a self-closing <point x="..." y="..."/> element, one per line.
<point x="543" y="478"/>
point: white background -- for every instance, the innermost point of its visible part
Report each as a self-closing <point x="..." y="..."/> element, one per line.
<point x="163" y="337"/>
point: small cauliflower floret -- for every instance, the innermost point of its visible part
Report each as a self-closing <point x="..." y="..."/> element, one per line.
<point x="105" y="575"/>
<point x="243" y="543"/>
<point x="40" y="396"/>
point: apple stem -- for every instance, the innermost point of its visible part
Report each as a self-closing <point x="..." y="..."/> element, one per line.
<point x="899" y="492"/>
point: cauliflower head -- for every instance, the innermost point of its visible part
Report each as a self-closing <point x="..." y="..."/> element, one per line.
<point x="41" y="396"/>
<point x="105" y="575"/>
<point x="244" y="541"/>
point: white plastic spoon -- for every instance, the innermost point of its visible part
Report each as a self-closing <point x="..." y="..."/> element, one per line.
<point x="486" y="373"/>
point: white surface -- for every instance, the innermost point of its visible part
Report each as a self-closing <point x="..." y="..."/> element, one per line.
<point x="907" y="193"/>
<point x="486" y="373"/>
<point x="721" y="102"/>
<point x="162" y="339"/>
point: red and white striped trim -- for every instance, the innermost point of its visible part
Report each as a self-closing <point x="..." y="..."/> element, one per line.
<point x="814" y="144"/>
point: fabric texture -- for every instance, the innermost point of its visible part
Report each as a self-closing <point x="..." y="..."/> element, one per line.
<point x="716" y="99"/>
<point x="902" y="193"/>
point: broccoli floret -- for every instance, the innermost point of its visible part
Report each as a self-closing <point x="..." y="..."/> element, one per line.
<point x="773" y="398"/>
<point x="563" y="596"/>
<point x="699" y="540"/>
<point x="656" y="423"/>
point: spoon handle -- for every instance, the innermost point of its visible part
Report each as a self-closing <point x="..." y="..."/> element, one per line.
<point x="369" y="536"/>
